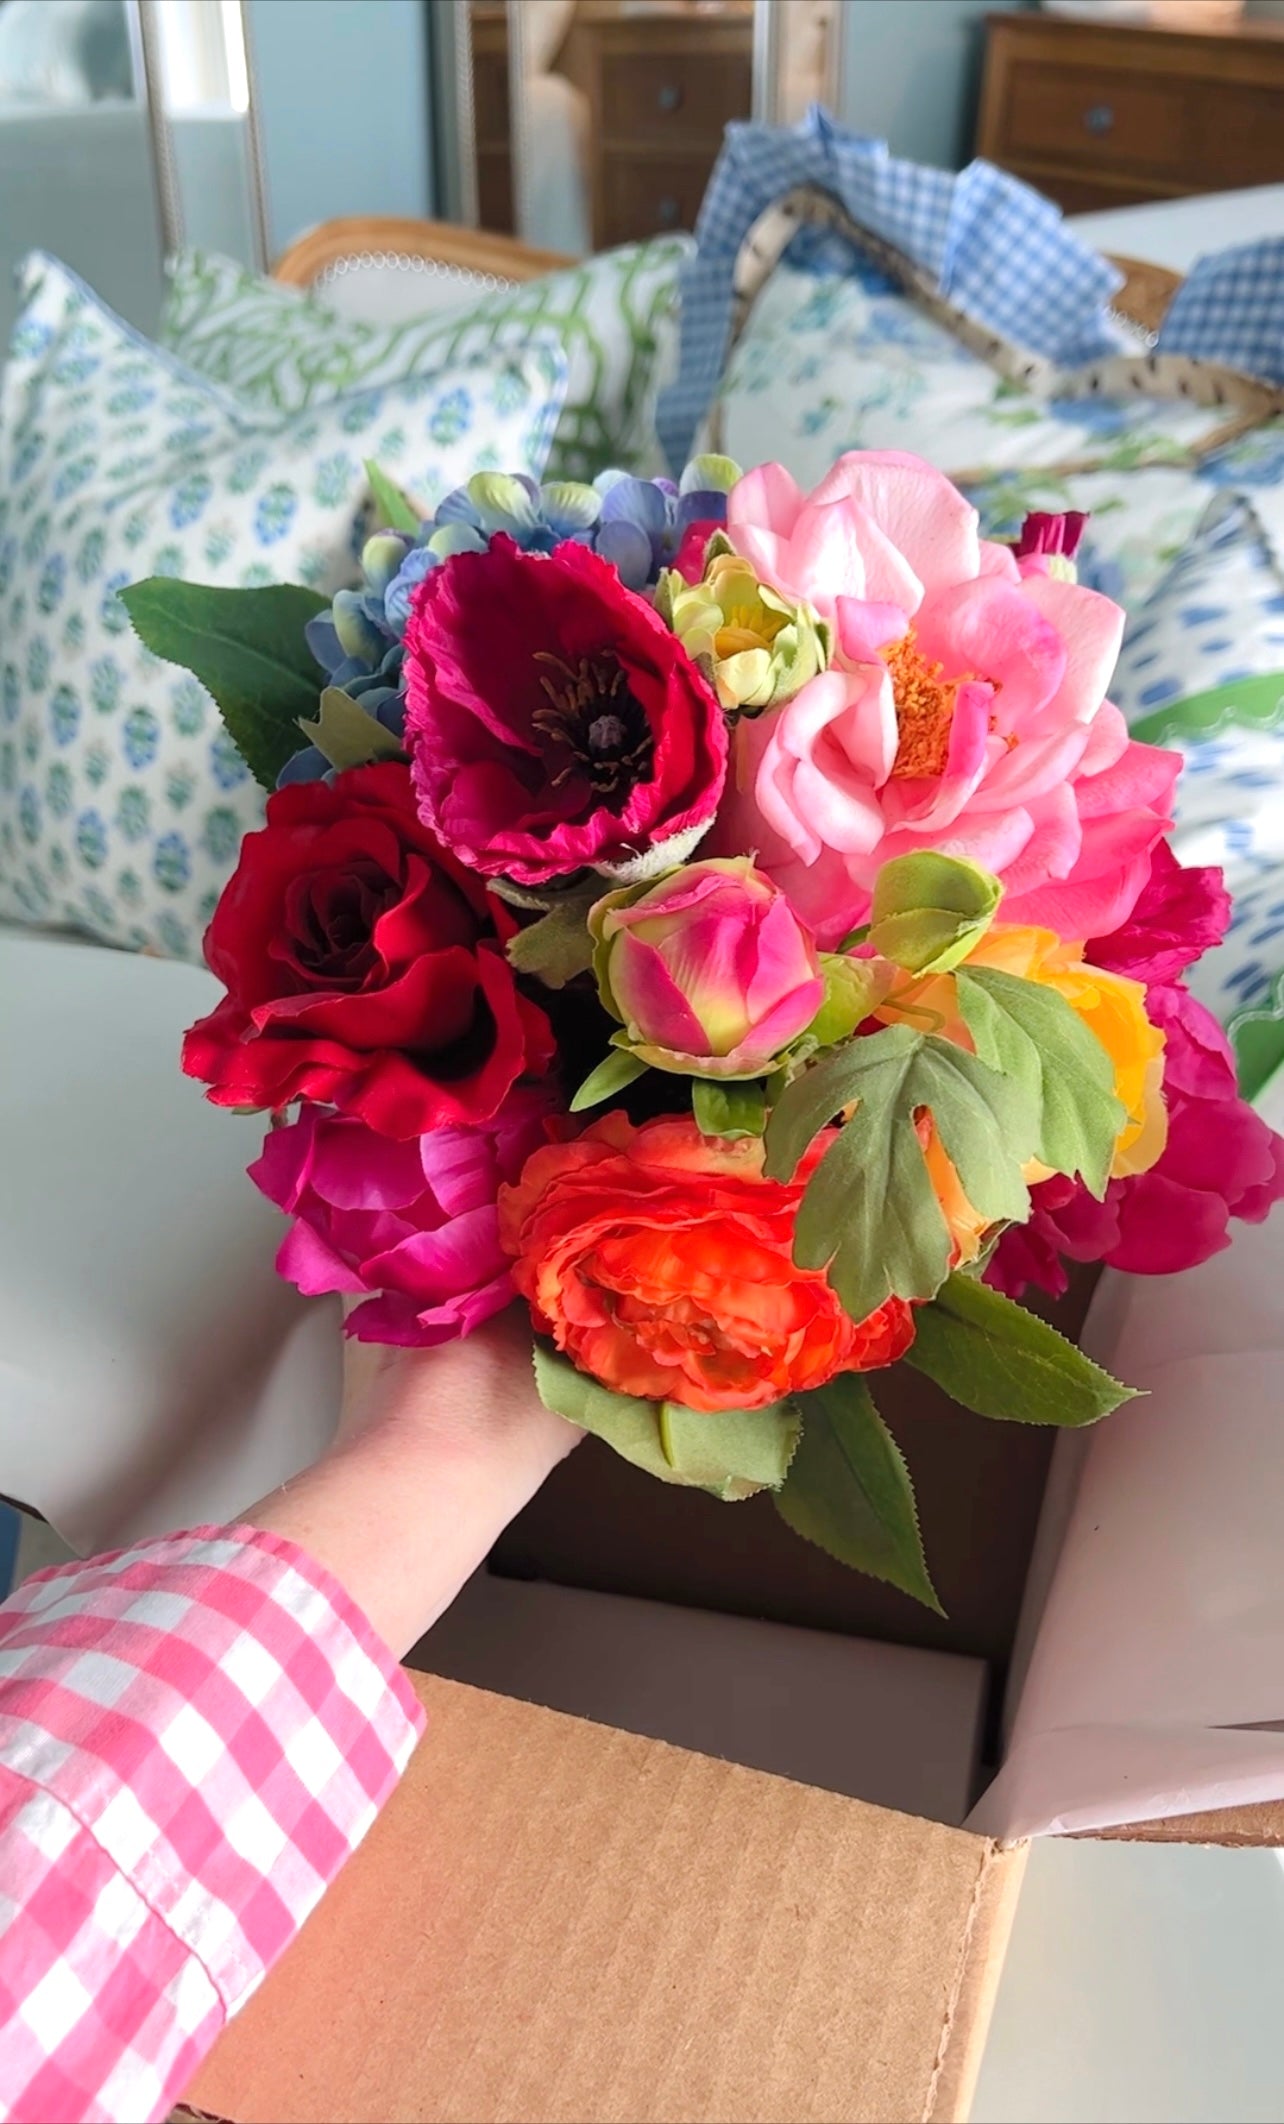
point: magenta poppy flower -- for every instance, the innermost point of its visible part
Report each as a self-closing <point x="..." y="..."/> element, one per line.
<point x="965" y="710"/>
<point x="553" y="720"/>
<point x="413" y="1226"/>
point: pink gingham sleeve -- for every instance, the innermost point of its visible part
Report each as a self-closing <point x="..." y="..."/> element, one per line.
<point x="194" y="1735"/>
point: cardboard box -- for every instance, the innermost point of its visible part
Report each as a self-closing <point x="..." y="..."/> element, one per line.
<point x="560" y="1920"/>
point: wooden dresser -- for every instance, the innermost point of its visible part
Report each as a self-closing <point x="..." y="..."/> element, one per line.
<point x="661" y="84"/>
<point x="1100" y="116"/>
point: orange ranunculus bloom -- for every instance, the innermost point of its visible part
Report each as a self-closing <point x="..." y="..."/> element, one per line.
<point x="660" y="1261"/>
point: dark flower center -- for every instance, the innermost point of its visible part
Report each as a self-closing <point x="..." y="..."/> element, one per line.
<point x="328" y="934"/>
<point x="593" y="716"/>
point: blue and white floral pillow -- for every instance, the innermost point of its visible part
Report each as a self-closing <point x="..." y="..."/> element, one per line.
<point x="846" y="362"/>
<point x="1202" y="670"/>
<point x="122" y="801"/>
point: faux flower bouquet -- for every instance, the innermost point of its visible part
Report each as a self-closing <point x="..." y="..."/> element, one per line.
<point x="736" y="922"/>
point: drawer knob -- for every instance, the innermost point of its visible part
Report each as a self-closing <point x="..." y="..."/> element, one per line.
<point x="669" y="98"/>
<point x="1099" y="118"/>
<point x="667" y="212"/>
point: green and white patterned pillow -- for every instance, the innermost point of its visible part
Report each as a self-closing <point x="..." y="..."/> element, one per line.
<point x="122" y="800"/>
<point x="615" y="315"/>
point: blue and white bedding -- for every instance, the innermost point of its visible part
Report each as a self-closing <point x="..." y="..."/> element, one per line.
<point x="1202" y="670"/>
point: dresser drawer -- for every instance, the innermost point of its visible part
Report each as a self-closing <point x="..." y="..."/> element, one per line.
<point x="673" y="96"/>
<point x="1082" y="114"/>
<point x="1238" y="137"/>
<point x="644" y="195"/>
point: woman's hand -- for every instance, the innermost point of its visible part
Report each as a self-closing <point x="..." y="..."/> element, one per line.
<point x="437" y="1450"/>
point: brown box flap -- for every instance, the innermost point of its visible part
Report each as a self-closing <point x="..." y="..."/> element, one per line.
<point x="554" y="1920"/>
<point x="1254" y="1827"/>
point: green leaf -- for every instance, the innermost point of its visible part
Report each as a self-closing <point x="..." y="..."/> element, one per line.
<point x="737" y="1109"/>
<point x="848" y="1489"/>
<point x="557" y="947"/>
<point x="1032" y="1035"/>
<point x="930" y="910"/>
<point x="347" y="735"/>
<point x="734" y="1454"/>
<point x="1001" y="1361"/>
<point x="612" y="1075"/>
<point x="394" y="509"/>
<point x="247" y="648"/>
<point x="1249" y="703"/>
<point x="853" y="987"/>
<point x="1257" y="1036"/>
<point x="870" y="1211"/>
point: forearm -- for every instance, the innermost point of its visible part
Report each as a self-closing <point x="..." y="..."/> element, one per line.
<point x="440" y="1449"/>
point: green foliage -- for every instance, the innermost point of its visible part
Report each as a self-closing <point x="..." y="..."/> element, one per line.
<point x="613" y="1074"/>
<point x="1032" y="1035"/>
<point x="394" y="509"/>
<point x="930" y="910"/>
<point x="848" y="1489"/>
<point x="870" y="1211"/>
<point x="734" y="1453"/>
<point x="1001" y="1361"/>
<point x="731" y="1109"/>
<point x="557" y="947"/>
<point x="247" y="648"/>
<point x="853" y="987"/>
<point x="346" y="734"/>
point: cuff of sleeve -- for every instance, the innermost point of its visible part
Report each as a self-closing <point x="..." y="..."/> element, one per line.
<point x="219" y="1713"/>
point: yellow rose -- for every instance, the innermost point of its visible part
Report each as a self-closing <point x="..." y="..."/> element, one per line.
<point x="1110" y="1005"/>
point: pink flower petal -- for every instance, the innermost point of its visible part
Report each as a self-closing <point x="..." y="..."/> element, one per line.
<point x="1091" y="627"/>
<point x="864" y="628"/>
<point x="920" y="512"/>
<point x="989" y="629"/>
<point x="768" y="496"/>
<point x="306" y="1260"/>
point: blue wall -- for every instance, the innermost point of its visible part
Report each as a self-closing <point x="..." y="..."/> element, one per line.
<point x="911" y="69"/>
<point x="343" y="108"/>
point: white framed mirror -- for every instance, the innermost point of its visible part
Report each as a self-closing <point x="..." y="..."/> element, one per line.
<point x="580" y="124"/>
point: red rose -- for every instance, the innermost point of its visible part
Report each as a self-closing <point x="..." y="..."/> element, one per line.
<point x="553" y="719"/>
<point x="364" y="968"/>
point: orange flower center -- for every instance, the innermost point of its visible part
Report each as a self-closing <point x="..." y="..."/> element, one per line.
<point x="924" y="700"/>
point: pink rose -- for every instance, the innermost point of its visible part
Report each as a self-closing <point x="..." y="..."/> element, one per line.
<point x="965" y="710"/>
<point x="412" y="1224"/>
<point x="710" y="972"/>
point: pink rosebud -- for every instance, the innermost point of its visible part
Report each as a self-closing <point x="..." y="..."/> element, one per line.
<point x="710" y="972"/>
<point x="1051" y="535"/>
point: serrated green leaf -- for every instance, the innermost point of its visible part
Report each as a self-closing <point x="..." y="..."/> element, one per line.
<point x="995" y="1358"/>
<point x="247" y="648"/>
<point x="870" y="1211"/>
<point x="557" y="947"/>
<point x="346" y="734"/>
<point x="733" y="1109"/>
<point x="734" y="1453"/>
<point x="394" y="509"/>
<point x="848" y="1489"/>
<point x="930" y="910"/>
<point x="1030" y="1033"/>
<point x="613" y="1074"/>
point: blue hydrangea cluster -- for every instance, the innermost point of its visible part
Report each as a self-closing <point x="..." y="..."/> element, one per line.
<point x="636" y="524"/>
